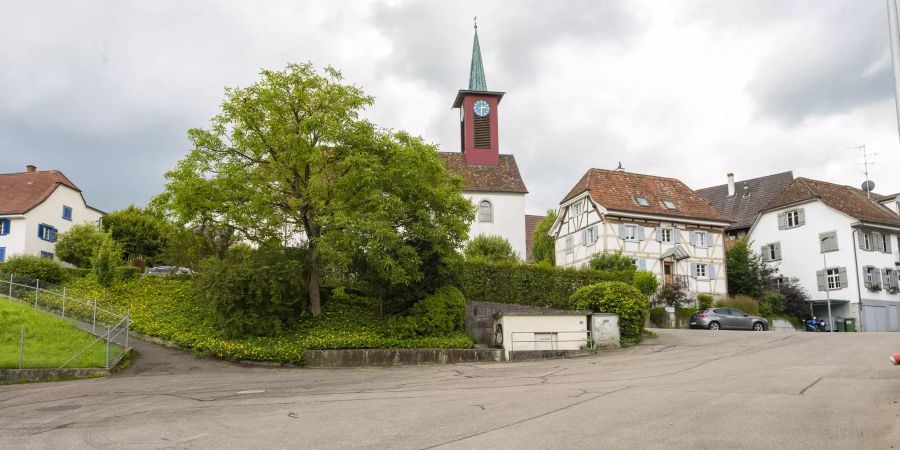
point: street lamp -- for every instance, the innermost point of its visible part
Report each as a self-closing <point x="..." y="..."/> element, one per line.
<point x="827" y="290"/>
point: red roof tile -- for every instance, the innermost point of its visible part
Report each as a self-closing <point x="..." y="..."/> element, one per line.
<point x="500" y="178"/>
<point x="20" y="192"/>
<point x="617" y="191"/>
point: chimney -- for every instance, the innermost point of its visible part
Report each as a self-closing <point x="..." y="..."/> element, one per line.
<point x="731" y="185"/>
<point x="30" y="168"/>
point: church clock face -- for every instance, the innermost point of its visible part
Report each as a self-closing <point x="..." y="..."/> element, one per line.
<point x="481" y="108"/>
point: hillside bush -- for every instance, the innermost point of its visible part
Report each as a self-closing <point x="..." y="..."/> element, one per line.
<point x="744" y="303"/>
<point x="35" y="268"/>
<point x="530" y="284"/>
<point x="78" y="245"/>
<point x="704" y="301"/>
<point x="254" y="293"/>
<point x="646" y="282"/>
<point x="440" y="313"/>
<point x="125" y="273"/>
<point x="617" y="298"/>
<point x="490" y="248"/>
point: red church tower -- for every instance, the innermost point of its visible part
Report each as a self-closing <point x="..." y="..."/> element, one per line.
<point x="478" y="111"/>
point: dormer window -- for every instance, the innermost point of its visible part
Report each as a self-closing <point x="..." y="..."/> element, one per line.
<point x="642" y="201"/>
<point x="669" y="204"/>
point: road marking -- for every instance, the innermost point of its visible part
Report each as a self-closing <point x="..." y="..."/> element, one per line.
<point x="251" y="391"/>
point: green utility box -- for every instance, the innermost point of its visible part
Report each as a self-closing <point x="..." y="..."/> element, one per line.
<point x="850" y="324"/>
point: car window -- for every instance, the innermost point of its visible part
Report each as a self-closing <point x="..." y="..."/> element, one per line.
<point x="736" y="312"/>
<point x="722" y="311"/>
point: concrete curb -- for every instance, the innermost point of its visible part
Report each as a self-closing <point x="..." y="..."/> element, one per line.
<point x="12" y="376"/>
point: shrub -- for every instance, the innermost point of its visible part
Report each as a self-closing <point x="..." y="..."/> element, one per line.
<point x="529" y="284"/>
<point x="254" y="293"/>
<point x="35" y="267"/>
<point x="658" y="316"/>
<point x="441" y="313"/>
<point x="611" y="261"/>
<point x="617" y="298"/>
<point x="543" y="247"/>
<point x="124" y="273"/>
<point x="744" y="303"/>
<point x="646" y="282"/>
<point x="77" y="272"/>
<point x="672" y="294"/>
<point x="704" y="301"/>
<point x="77" y="245"/>
<point x="490" y="248"/>
<point x="106" y="260"/>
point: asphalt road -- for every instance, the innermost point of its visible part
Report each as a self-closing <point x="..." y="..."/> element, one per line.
<point x="686" y="389"/>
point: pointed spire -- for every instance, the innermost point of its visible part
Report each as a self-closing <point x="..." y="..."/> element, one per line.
<point x="477" y="82"/>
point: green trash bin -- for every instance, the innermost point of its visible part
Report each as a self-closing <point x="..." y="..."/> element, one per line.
<point x="850" y="324"/>
<point x="840" y="324"/>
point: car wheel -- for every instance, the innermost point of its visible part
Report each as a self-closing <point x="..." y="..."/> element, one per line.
<point x="758" y="326"/>
<point x="714" y="326"/>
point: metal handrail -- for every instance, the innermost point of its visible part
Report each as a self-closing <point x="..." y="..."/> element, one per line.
<point x="589" y="340"/>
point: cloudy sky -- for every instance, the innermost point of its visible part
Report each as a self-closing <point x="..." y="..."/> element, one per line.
<point x="105" y="91"/>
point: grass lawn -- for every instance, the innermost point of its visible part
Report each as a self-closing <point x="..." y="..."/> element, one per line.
<point x="169" y="309"/>
<point x="49" y="341"/>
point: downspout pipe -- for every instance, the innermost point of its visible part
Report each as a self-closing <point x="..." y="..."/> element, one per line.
<point x="856" y="273"/>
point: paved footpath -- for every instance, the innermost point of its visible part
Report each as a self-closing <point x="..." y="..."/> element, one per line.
<point x="686" y="389"/>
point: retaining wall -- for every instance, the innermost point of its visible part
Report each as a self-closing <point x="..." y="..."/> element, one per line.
<point x="397" y="356"/>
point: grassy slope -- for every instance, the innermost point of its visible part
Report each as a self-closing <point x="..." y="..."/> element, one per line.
<point x="49" y="341"/>
<point x="169" y="309"/>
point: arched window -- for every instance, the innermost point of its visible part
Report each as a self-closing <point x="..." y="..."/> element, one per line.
<point x="485" y="211"/>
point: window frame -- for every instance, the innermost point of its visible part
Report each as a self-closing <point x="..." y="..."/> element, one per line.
<point x="47" y="255"/>
<point x="701" y="239"/>
<point x="633" y="233"/>
<point x="833" y="279"/>
<point x="792" y="216"/>
<point x="5" y="225"/>
<point x="771" y="253"/>
<point x="569" y="243"/>
<point x="67" y="213"/>
<point x="577" y="208"/>
<point x="490" y="206"/>
<point x="591" y="235"/>
<point x="642" y="201"/>
<point x="666" y="239"/>
<point x="705" y="267"/>
<point x="47" y="233"/>
<point x="669" y="204"/>
<point x="868" y="241"/>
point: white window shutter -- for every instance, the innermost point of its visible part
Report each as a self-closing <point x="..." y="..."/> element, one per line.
<point x="782" y="221"/>
<point x="801" y="217"/>
<point x="778" y="251"/>
<point x="820" y="279"/>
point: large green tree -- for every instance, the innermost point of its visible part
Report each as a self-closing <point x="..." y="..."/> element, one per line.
<point x="747" y="273"/>
<point x="78" y="245"/>
<point x="142" y="233"/>
<point x="543" y="246"/>
<point x="289" y="158"/>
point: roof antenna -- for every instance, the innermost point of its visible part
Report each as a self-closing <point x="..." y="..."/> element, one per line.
<point x="868" y="186"/>
<point x="620" y="168"/>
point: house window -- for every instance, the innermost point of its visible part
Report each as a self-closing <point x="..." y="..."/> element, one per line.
<point x="669" y="204"/>
<point x="772" y="252"/>
<point x="833" y="279"/>
<point x="485" y="211"/>
<point x="630" y="233"/>
<point x="867" y="242"/>
<point x="828" y="242"/>
<point x="701" y="239"/>
<point x="67" y="212"/>
<point x="700" y="270"/>
<point x="47" y="233"/>
<point x="4" y="227"/>
<point x="590" y="236"/>
<point x="885" y="243"/>
<point x="665" y="235"/>
<point x="873" y="278"/>
<point x="779" y="282"/>
<point x="47" y="255"/>
<point x="642" y="201"/>
<point x="2" y="254"/>
<point x="576" y="209"/>
<point x="570" y="242"/>
<point x="791" y="219"/>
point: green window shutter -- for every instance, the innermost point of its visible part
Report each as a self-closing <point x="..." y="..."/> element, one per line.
<point x="820" y="279"/>
<point x="842" y="277"/>
<point x="801" y="217"/>
<point x="782" y="221"/>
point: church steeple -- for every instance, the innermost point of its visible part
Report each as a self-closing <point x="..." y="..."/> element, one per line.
<point x="477" y="82"/>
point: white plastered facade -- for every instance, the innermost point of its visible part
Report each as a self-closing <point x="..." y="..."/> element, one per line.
<point x="507" y="217"/>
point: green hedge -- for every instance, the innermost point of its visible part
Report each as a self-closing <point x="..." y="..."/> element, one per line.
<point x="35" y="268"/>
<point x="530" y="284"/>
<point x="618" y="298"/>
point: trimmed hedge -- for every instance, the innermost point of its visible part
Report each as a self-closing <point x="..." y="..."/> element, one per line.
<point x="35" y="268"/>
<point x="618" y="298"/>
<point x="530" y="284"/>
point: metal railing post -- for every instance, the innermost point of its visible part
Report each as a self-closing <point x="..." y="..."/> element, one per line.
<point x="21" y="345"/>
<point x="64" y="303"/>
<point x="37" y="288"/>
<point x="94" y="322"/>
<point x="10" y="285"/>
<point x="107" y="346"/>
<point x="127" y="326"/>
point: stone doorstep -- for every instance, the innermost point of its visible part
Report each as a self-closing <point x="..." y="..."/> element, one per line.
<point x="10" y="376"/>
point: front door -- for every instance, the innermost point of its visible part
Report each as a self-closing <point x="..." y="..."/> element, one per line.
<point x="669" y="272"/>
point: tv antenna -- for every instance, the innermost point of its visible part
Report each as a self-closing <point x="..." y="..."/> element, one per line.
<point x="868" y="186"/>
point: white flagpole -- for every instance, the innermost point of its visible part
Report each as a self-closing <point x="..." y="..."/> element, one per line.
<point x="895" y="54"/>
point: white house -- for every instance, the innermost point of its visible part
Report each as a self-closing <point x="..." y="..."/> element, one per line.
<point x="490" y="180"/>
<point x="840" y="245"/>
<point x="35" y="206"/>
<point x="891" y="202"/>
<point x="662" y="224"/>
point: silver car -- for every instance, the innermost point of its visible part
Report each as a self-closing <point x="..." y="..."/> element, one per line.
<point x="722" y="318"/>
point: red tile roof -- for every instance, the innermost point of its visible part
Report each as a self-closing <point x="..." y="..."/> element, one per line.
<point x="617" y="191"/>
<point x="500" y="178"/>
<point x="846" y="199"/>
<point x="20" y="192"/>
<point x="530" y="222"/>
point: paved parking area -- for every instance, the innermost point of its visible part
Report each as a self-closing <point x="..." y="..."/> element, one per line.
<point x="685" y="389"/>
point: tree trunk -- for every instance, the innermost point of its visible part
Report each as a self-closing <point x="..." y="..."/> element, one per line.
<point x="315" y="305"/>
